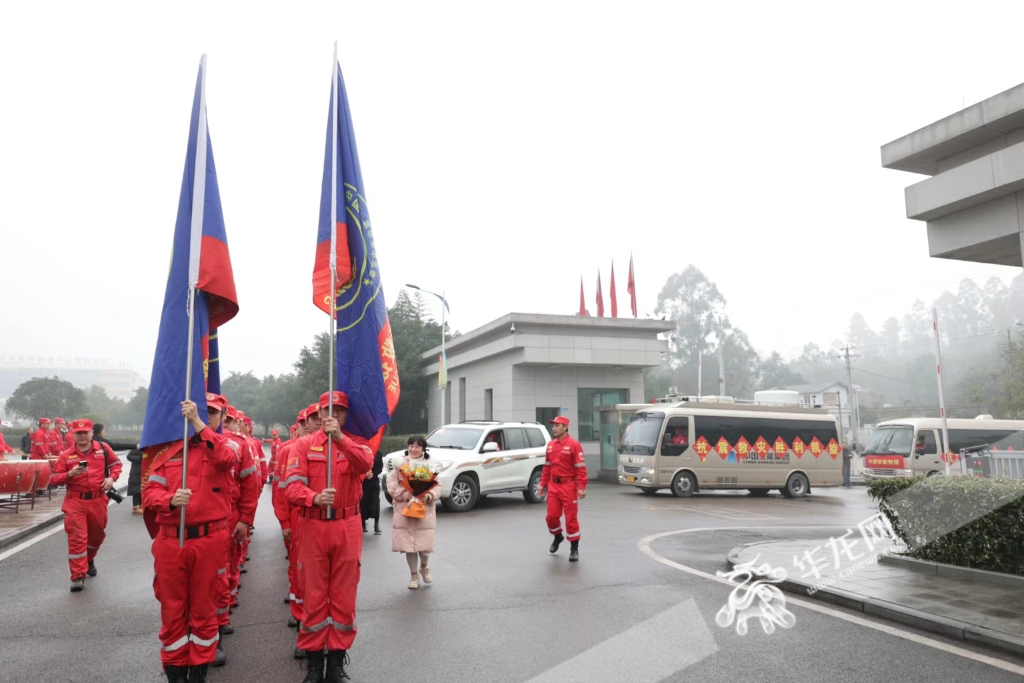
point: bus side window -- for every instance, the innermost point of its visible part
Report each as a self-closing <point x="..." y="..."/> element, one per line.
<point x="926" y="443"/>
<point x="677" y="436"/>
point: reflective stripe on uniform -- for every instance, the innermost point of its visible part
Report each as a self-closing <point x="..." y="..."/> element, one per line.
<point x="573" y="537"/>
<point x="581" y="464"/>
<point x="246" y="472"/>
<point x="222" y="610"/>
<point x="204" y="643"/>
<point x="296" y="477"/>
<point x="177" y="645"/>
<point x="158" y="479"/>
<point x="556" y="530"/>
<point x="75" y="557"/>
<point x="344" y="627"/>
<point x="318" y="627"/>
<point x="222" y="571"/>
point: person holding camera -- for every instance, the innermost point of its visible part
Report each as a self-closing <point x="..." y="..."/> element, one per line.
<point x="89" y="471"/>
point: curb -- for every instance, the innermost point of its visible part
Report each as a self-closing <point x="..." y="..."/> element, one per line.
<point x="934" y="623"/>
<point x="979" y="575"/>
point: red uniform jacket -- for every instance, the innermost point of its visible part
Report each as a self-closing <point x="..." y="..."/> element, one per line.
<point x="40" y="444"/>
<point x="55" y="441"/>
<point x="565" y="460"/>
<point x="260" y="456"/>
<point x="275" y="446"/>
<point x="4" y="448"/>
<point x="282" y="508"/>
<point x="69" y="440"/>
<point x="246" y="490"/>
<point x="210" y="462"/>
<point x="307" y="469"/>
<point x="98" y="456"/>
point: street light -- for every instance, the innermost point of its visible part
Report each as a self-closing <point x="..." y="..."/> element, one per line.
<point x="444" y="308"/>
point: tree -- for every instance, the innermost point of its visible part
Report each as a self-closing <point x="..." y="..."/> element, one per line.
<point x="891" y="336"/>
<point x="45" y="397"/>
<point x="775" y="373"/>
<point x="413" y="335"/>
<point x="698" y="309"/>
<point x="135" y="411"/>
<point x="916" y="329"/>
<point x="245" y="391"/>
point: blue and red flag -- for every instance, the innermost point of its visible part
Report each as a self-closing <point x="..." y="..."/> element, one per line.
<point x="199" y="260"/>
<point x="366" y="366"/>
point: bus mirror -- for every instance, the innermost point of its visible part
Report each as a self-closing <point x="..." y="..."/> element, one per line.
<point x="919" y="450"/>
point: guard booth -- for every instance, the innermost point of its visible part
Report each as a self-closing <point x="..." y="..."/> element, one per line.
<point x="986" y="463"/>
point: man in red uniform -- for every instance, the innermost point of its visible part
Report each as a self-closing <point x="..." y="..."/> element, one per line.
<point x="187" y="577"/>
<point x="564" y="475"/>
<point x="679" y="438"/>
<point x="287" y="516"/>
<point x="41" y="440"/>
<point x="69" y="439"/>
<point x="332" y="536"/>
<point x="4" y="448"/>
<point x="88" y="470"/>
<point x="244" y="490"/>
<point x="55" y="439"/>
<point x="309" y="423"/>
<point x="257" y="448"/>
<point x="275" y="445"/>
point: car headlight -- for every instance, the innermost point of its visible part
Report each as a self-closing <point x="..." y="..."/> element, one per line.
<point x="646" y="470"/>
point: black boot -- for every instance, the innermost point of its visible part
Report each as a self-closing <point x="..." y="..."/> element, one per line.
<point x="92" y="568"/>
<point x="364" y="526"/>
<point x="376" y="527"/>
<point x="176" y="674"/>
<point x="557" y="542"/>
<point x="314" y="667"/>
<point x="226" y="630"/>
<point x="574" y="551"/>
<point x="221" y="658"/>
<point x="336" y="661"/>
<point x="197" y="674"/>
<point x="293" y="622"/>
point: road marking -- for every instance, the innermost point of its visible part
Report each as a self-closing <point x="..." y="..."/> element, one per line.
<point x="35" y="539"/>
<point x="645" y="548"/>
<point x="721" y="513"/>
<point x="654" y="642"/>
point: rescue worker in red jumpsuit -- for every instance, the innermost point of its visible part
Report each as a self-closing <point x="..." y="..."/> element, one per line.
<point x="84" y="471"/>
<point x="4" y="448"/>
<point x="55" y="439"/>
<point x="332" y="537"/>
<point x="564" y="476"/>
<point x="69" y="439"/>
<point x="41" y="440"/>
<point x="187" y="582"/>
<point x="275" y="445"/>
<point x="288" y="516"/>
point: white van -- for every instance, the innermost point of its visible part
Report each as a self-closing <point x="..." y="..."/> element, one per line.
<point x="688" y="447"/>
<point x="909" y="447"/>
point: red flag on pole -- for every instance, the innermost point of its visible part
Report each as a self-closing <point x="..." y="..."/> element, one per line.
<point x="583" y="303"/>
<point x="615" y="304"/>
<point x="600" y="297"/>
<point x="631" y="287"/>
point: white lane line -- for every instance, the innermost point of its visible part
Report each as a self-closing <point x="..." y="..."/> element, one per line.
<point x="721" y="513"/>
<point x="655" y="642"/>
<point x="645" y="548"/>
<point x="57" y="526"/>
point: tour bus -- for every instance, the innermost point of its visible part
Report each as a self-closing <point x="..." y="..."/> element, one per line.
<point x="689" y="446"/>
<point x="888" y="453"/>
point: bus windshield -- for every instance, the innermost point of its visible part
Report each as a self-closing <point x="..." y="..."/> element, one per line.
<point x="642" y="433"/>
<point x="891" y="440"/>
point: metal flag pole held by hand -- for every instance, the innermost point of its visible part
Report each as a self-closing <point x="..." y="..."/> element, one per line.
<point x="332" y="326"/>
<point x="195" y="245"/>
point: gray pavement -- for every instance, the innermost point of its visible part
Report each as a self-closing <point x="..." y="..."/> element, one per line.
<point x="501" y="608"/>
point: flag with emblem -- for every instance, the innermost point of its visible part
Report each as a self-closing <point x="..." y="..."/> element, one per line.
<point x="366" y="367"/>
<point x="199" y="260"/>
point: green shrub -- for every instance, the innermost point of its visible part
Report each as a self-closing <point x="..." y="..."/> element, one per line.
<point x="965" y="521"/>
<point x="393" y="442"/>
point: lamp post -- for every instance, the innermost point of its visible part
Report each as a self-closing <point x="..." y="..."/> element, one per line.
<point x="444" y="309"/>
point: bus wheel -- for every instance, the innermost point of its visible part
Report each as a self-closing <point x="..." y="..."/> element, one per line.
<point x="797" y="486"/>
<point x="932" y="473"/>
<point x="758" y="493"/>
<point x="684" y="485"/>
<point x="649" y="491"/>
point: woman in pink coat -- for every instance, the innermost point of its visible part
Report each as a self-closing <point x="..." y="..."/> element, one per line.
<point x="414" y="537"/>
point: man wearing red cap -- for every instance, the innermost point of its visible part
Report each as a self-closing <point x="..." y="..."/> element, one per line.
<point x="275" y="445"/>
<point x="88" y="470"/>
<point x="41" y="440"/>
<point x="332" y="536"/>
<point x="244" y="492"/>
<point x="564" y="475"/>
<point x="69" y="439"/>
<point x="55" y="438"/>
<point x="187" y="577"/>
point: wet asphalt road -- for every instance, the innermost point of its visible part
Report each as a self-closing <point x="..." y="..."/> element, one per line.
<point x="501" y="608"/>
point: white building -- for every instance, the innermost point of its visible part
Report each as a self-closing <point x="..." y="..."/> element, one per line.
<point x="834" y="398"/>
<point x="532" y="367"/>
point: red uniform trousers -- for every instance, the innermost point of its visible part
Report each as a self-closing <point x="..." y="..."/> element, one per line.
<point x="329" y="557"/>
<point x="294" y="563"/>
<point x="84" y="523"/>
<point x="564" y="498"/>
<point x="186" y="585"/>
<point x="229" y="578"/>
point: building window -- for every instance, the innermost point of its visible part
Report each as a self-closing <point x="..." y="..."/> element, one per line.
<point x="546" y="415"/>
<point x="462" y="399"/>
<point x="488" y="404"/>
<point x="588" y="402"/>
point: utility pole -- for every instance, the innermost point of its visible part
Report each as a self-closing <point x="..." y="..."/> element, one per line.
<point x="721" y="371"/>
<point x="854" y="414"/>
<point x="700" y="370"/>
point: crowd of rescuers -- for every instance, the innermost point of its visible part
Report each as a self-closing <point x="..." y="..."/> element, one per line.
<point x="197" y="569"/>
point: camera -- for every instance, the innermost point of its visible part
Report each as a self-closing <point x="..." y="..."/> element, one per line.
<point x="115" y="496"/>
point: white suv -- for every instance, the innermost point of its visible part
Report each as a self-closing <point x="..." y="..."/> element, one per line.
<point x="475" y="459"/>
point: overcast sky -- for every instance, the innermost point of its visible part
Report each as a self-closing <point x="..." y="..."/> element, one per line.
<point x="507" y="150"/>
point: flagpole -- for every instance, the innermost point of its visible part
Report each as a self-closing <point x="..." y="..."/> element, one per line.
<point x="195" y="245"/>
<point x="333" y="261"/>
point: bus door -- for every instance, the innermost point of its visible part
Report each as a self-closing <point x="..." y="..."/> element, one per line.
<point x="926" y="452"/>
<point x="675" y="448"/>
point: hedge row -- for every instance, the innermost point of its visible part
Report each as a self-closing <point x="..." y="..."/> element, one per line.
<point x="962" y="520"/>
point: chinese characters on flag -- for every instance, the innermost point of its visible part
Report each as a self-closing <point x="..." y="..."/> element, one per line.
<point x="723" y="448"/>
<point x="702" y="447"/>
<point x="799" y="447"/>
<point x="815" y="447"/>
<point x="833" y="449"/>
<point x="780" y="446"/>
<point x="761" y="448"/>
<point x="742" y="449"/>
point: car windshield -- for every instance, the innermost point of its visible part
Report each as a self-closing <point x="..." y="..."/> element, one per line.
<point x="642" y="433"/>
<point x="458" y="438"/>
<point x="890" y="441"/>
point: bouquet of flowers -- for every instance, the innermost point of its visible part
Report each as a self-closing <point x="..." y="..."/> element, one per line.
<point x="417" y="480"/>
